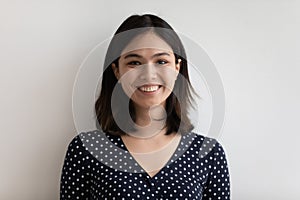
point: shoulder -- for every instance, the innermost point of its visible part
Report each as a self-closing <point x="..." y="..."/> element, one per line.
<point x="206" y="145"/>
<point x="202" y="140"/>
<point x="83" y="140"/>
<point x="87" y="137"/>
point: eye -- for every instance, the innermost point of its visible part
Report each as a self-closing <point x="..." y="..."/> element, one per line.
<point x="133" y="63"/>
<point x="162" y="62"/>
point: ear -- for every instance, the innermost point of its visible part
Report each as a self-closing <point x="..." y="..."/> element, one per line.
<point x="177" y="66"/>
<point x="115" y="70"/>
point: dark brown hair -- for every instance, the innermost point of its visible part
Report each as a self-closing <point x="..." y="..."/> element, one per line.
<point x="176" y="106"/>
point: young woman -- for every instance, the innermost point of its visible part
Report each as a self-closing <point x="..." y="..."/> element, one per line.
<point x="145" y="147"/>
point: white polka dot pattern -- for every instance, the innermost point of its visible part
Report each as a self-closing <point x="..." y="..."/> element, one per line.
<point x="98" y="166"/>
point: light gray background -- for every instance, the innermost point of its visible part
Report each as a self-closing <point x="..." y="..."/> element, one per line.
<point x="254" y="45"/>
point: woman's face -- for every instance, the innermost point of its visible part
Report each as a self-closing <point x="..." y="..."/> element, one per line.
<point x="147" y="70"/>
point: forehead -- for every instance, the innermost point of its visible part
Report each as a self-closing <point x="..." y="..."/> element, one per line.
<point x="149" y="42"/>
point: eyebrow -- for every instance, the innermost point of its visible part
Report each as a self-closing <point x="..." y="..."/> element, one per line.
<point x="139" y="56"/>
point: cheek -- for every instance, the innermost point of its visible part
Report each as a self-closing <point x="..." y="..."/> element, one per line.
<point x="127" y="80"/>
<point x="169" y="77"/>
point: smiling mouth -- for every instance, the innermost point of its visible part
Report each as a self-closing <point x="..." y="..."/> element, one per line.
<point x="149" y="88"/>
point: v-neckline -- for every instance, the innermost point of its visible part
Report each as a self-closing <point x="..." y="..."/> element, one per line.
<point x="161" y="169"/>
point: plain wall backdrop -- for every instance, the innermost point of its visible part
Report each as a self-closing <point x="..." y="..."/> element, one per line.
<point x="255" y="46"/>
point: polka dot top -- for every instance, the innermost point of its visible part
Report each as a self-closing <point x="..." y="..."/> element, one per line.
<point x="98" y="165"/>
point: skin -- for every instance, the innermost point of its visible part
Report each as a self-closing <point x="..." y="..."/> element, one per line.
<point x="148" y="62"/>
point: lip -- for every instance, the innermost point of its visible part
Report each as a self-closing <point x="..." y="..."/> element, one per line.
<point x="149" y="85"/>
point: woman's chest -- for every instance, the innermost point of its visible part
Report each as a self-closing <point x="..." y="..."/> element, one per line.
<point x="179" y="179"/>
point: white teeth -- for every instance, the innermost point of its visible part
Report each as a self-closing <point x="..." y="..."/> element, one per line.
<point x="149" y="88"/>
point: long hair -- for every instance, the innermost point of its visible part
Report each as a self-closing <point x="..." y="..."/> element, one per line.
<point x="176" y="106"/>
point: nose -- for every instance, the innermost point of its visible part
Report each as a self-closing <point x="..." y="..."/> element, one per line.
<point x="148" y="72"/>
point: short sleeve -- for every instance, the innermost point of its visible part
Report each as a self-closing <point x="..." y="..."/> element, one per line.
<point x="74" y="183"/>
<point x="218" y="183"/>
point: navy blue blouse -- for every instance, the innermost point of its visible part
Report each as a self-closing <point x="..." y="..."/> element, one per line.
<point x="99" y="166"/>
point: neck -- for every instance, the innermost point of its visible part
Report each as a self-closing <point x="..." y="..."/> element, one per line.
<point x="144" y="116"/>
